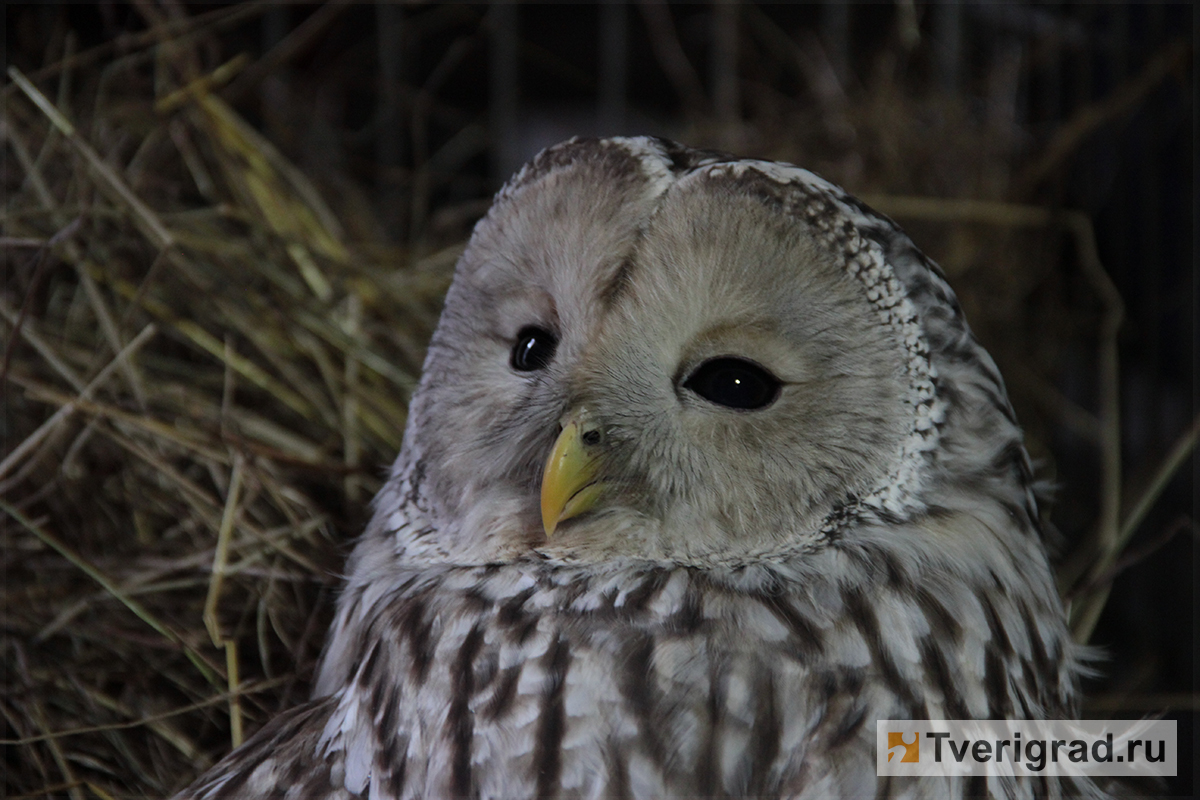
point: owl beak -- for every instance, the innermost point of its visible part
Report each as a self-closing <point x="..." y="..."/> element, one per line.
<point x="568" y="483"/>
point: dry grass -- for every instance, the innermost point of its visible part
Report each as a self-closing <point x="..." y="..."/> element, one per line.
<point x="203" y="379"/>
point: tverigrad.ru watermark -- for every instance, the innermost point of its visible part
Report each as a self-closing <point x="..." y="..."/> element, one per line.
<point x="1116" y="747"/>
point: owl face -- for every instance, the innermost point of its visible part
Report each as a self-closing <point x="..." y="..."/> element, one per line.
<point x="642" y="360"/>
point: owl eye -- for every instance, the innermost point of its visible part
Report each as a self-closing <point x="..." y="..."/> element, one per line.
<point x="533" y="350"/>
<point x="734" y="383"/>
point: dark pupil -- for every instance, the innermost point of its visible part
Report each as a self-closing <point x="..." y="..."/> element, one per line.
<point x="734" y="383"/>
<point x="533" y="350"/>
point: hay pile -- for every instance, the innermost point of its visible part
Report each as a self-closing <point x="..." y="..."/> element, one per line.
<point x="207" y="363"/>
<point x="203" y="381"/>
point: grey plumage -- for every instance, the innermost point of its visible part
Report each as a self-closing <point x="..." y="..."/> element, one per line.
<point x="752" y="588"/>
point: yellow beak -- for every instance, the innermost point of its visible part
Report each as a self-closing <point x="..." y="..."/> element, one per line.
<point x="568" y="484"/>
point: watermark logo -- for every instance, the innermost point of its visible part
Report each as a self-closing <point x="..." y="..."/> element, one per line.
<point x="1027" y="747"/>
<point x="910" y="751"/>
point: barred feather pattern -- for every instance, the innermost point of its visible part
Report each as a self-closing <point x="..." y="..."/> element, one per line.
<point x="526" y="680"/>
<point x="528" y="671"/>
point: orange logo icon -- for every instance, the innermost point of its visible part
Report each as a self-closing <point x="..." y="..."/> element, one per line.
<point x="912" y="750"/>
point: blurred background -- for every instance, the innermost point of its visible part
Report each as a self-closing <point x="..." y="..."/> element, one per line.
<point x="227" y="228"/>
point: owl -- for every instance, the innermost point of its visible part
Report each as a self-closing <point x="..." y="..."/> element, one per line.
<point x="705" y="474"/>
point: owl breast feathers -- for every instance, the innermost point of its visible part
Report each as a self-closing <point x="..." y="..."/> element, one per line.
<point x="705" y="475"/>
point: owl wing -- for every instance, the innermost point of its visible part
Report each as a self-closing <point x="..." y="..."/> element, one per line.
<point x="281" y="760"/>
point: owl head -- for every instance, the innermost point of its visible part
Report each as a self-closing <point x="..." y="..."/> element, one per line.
<point x="653" y="352"/>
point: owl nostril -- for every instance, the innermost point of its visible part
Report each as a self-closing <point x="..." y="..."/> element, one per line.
<point x="591" y="437"/>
